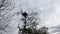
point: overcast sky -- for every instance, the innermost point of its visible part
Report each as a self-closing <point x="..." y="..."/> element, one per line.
<point x="50" y="12"/>
<point x="49" y="9"/>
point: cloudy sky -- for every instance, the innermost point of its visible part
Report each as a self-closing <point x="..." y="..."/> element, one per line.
<point x="49" y="9"/>
<point x="49" y="12"/>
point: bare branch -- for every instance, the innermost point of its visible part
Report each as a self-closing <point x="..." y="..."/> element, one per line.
<point x="2" y="3"/>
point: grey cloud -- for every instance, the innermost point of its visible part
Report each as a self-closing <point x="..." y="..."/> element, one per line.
<point x="55" y="29"/>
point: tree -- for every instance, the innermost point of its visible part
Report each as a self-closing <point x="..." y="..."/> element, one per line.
<point x="5" y="16"/>
<point x="30" y="25"/>
<point x="4" y="4"/>
<point x="43" y="30"/>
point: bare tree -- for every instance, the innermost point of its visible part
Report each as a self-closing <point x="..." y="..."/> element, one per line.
<point x="29" y="20"/>
<point x="30" y="24"/>
<point x="5" y="16"/>
<point x="4" y="4"/>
